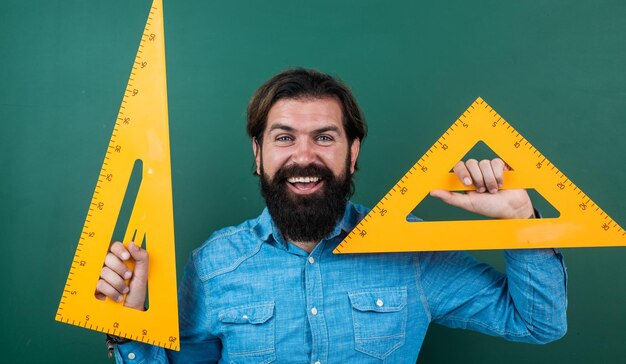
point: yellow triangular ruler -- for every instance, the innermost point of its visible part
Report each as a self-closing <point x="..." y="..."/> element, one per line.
<point x="581" y="222"/>
<point x="140" y="133"/>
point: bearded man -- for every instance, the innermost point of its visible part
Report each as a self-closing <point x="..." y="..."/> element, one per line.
<point x="271" y="290"/>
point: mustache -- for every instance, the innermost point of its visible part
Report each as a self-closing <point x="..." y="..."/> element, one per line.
<point x="294" y="170"/>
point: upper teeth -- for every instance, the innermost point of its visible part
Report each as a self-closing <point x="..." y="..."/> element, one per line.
<point x="303" y="179"/>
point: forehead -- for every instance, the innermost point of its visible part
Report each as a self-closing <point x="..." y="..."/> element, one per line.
<point x="306" y="113"/>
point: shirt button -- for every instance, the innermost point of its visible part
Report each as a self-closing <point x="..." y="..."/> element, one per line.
<point x="311" y="260"/>
<point x="314" y="311"/>
<point x="318" y="362"/>
<point x="131" y="356"/>
<point x="379" y="303"/>
<point x="245" y="317"/>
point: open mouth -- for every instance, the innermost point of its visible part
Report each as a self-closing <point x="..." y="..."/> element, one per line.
<point x="304" y="185"/>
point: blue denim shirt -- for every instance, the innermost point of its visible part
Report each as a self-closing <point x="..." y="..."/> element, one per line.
<point x="249" y="296"/>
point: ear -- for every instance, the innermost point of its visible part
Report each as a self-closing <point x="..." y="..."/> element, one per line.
<point x="354" y="154"/>
<point x="256" y="149"/>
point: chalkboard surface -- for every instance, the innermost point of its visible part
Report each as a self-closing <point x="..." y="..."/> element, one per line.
<point x="553" y="69"/>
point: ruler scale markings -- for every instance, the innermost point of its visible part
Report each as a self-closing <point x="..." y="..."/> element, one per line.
<point x="573" y="228"/>
<point x="143" y="112"/>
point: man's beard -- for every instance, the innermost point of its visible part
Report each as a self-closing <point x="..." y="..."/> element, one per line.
<point x="306" y="218"/>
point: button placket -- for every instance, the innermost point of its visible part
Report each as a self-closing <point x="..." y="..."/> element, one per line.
<point x="315" y="299"/>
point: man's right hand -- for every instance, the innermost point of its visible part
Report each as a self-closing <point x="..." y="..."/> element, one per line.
<point x="112" y="282"/>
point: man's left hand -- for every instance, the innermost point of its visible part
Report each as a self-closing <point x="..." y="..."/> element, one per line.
<point x="488" y="199"/>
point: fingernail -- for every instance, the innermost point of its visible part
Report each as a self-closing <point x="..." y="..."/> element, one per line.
<point x="481" y="190"/>
<point x="126" y="290"/>
<point x="127" y="275"/>
<point x="467" y="181"/>
<point x="125" y="255"/>
<point x="493" y="190"/>
<point x="119" y="298"/>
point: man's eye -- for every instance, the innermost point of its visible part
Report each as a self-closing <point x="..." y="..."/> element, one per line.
<point x="283" y="138"/>
<point x="324" y="138"/>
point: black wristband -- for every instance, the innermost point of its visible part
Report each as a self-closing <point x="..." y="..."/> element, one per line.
<point x="113" y="340"/>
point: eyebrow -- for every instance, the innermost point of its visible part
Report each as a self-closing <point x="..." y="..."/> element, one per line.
<point x="326" y="129"/>
<point x="279" y="126"/>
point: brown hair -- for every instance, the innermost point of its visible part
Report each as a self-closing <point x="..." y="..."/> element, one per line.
<point x="297" y="83"/>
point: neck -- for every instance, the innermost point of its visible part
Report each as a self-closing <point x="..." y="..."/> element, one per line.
<point x="307" y="246"/>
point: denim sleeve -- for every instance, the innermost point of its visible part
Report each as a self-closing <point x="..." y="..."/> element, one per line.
<point x="526" y="304"/>
<point x="196" y="344"/>
<point x="137" y="352"/>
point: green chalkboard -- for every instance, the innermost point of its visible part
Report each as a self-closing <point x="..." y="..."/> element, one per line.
<point x="553" y="69"/>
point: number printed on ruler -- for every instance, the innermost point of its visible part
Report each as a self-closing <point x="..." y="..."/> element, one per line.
<point x="581" y="223"/>
<point x="140" y="135"/>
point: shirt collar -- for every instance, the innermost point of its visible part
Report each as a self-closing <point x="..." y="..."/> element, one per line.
<point x="265" y="227"/>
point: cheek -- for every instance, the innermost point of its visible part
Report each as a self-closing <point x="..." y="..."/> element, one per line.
<point x="336" y="162"/>
<point x="272" y="161"/>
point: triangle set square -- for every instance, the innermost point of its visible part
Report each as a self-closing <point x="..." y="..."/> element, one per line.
<point x="580" y="223"/>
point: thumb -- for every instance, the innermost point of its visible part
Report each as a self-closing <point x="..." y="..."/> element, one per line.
<point x="452" y="198"/>
<point x="138" y="284"/>
<point x="139" y="255"/>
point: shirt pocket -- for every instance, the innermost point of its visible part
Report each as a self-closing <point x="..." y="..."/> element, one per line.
<point x="379" y="317"/>
<point x="249" y="333"/>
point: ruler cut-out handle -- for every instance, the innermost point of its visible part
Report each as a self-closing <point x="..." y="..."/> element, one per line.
<point x="140" y="133"/>
<point x="581" y="223"/>
<point x="451" y="182"/>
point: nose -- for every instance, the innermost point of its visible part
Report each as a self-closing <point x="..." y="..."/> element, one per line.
<point x="304" y="153"/>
